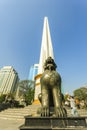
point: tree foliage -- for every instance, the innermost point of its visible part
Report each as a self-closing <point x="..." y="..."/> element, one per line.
<point x="81" y="93"/>
<point x="26" y="84"/>
<point x="29" y="96"/>
<point x="27" y="90"/>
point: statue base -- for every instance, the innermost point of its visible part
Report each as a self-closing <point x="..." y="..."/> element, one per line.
<point x="54" y="123"/>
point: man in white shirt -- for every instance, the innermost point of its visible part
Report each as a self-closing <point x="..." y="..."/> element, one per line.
<point x="73" y="106"/>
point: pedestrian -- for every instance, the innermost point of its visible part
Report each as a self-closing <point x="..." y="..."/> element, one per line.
<point x="73" y="106"/>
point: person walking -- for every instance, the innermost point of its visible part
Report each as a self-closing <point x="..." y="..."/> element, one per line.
<point x="73" y="106"/>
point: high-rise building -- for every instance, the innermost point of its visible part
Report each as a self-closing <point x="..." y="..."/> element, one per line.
<point x="8" y="80"/>
<point x="33" y="72"/>
<point x="46" y="51"/>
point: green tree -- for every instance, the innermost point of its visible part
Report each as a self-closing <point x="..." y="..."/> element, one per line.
<point x="29" y="96"/>
<point x="25" y="84"/>
<point x="26" y="88"/>
<point x="81" y="94"/>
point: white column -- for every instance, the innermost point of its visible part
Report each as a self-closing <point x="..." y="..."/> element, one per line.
<point x="46" y="51"/>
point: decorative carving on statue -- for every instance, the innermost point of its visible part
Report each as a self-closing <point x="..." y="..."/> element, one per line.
<point x="51" y="96"/>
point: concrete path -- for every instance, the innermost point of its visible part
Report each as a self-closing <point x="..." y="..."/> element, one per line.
<point x="10" y="124"/>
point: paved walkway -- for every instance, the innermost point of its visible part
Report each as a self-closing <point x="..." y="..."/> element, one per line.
<point x="10" y="124"/>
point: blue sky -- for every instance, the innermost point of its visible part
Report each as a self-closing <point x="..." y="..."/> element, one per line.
<point x="21" y="25"/>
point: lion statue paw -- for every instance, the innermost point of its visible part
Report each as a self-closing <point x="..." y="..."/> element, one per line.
<point x="60" y="112"/>
<point x="45" y="111"/>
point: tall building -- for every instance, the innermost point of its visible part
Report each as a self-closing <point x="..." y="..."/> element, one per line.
<point x="46" y="51"/>
<point x="33" y="72"/>
<point x="8" y="80"/>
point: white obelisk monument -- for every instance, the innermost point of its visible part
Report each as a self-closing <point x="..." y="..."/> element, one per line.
<point x="46" y="51"/>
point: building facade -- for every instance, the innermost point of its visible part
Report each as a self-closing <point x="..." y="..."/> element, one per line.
<point x="33" y="72"/>
<point x="8" y="80"/>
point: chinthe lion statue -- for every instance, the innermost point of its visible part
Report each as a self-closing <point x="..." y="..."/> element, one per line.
<point x="51" y="96"/>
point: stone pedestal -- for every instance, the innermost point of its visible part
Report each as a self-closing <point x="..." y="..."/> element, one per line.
<point x="53" y="123"/>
